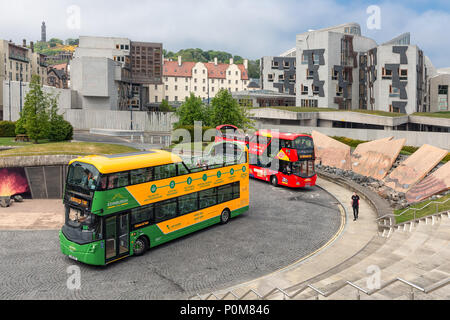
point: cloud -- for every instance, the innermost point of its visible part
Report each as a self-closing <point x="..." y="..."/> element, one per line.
<point x="250" y="28"/>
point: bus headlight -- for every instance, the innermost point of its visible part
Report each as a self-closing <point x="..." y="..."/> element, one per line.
<point x="92" y="248"/>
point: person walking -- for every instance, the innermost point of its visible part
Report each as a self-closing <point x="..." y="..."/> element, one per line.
<point x="355" y="206"/>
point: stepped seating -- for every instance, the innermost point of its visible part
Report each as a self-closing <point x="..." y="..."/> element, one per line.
<point x="420" y="256"/>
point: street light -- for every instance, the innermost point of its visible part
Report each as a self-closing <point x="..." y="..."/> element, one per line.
<point x="130" y="95"/>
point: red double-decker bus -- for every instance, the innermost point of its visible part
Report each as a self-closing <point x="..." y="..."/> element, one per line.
<point x="285" y="159"/>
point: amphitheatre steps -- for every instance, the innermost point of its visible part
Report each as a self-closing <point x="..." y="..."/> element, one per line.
<point x="420" y="256"/>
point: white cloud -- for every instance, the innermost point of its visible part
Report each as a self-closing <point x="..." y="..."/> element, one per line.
<point x="251" y="28"/>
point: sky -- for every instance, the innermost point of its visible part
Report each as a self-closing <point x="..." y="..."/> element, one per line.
<point x="249" y="28"/>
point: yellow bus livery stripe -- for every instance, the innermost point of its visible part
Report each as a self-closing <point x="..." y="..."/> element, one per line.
<point x="143" y="195"/>
<point x="191" y="219"/>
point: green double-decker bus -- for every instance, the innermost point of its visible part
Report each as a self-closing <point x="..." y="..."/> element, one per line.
<point x="122" y="205"/>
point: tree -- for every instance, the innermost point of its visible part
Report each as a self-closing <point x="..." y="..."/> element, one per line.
<point x="193" y="109"/>
<point x="72" y="42"/>
<point x="34" y="117"/>
<point x="165" y="106"/>
<point x="54" y="42"/>
<point x="58" y="130"/>
<point x="226" y="110"/>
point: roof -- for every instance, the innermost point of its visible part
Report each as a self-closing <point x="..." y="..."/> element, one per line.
<point x="172" y="69"/>
<point x="244" y="72"/>
<point x="129" y="161"/>
<point x="280" y="135"/>
<point x="61" y="66"/>
<point x="218" y="71"/>
<point x="59" y="73"/>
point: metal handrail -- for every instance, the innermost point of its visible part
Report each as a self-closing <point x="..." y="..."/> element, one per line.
<point x="411" y="285"/>
<point x="437" y="203"/>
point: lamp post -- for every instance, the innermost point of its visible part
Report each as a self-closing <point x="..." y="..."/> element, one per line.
<point x="20" y="84"/>
<point x="130" y="95"/>
<point x="9" y="96"/>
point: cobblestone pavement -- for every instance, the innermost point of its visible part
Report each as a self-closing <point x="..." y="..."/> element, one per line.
<point x="282" y="226"/>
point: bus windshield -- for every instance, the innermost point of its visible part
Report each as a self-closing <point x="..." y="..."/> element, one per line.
<point x="82" y="177"/>
<point x="81" y="226"/>
<point x="303" y="169"/>
<point x="304" y="145"/>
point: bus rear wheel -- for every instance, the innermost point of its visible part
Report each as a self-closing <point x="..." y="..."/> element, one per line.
<point x="225" y="216"/>
<point x="140" y="246"/>
<point x="274" y="181"/>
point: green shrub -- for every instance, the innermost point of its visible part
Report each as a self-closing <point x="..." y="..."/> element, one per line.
<point x="60" y="130"/>
<point x="7" y="129"/>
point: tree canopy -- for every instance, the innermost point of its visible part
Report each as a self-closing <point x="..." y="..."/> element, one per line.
<point x="198" y="55"/>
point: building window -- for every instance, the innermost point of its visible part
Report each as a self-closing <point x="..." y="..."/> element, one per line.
<point x="304" y="59"/>
<point x="195" y="88"/>
<point x="334" y="74"/>
<point x="387" y="73"/>
<point x="195" y="71"/>
<point x="304" y="89"/>
<point x="316" y="59"/>
<point x="443" y="89"/>
<point x="186" y="88"/>
<point x="195" y="80"/>
<point x="212" y="89"/>
<point x="156" y="98"/>
<point x="167" y="98"/>
<point x="156" y="87"/>
<point x="176" y="98"/>
<point x="309" y="74"/>
<point x="204" y="89"/>
<point x="176" y="88"/>
<point x="403" y="74"/>
<point x="204" y="80"/>
<point x="176" y="79"/>
<point x="167" y="87"/>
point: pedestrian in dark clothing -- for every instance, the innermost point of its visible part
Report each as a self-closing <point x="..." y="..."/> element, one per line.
<point x="355" y="206"/>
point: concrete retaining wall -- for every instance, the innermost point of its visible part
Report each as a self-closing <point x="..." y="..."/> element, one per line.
<point x="120" y="120"/>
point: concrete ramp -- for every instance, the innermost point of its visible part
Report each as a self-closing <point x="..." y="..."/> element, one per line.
<point x="415" y="168"/>
<point x="375" y="158"/>
<point x="330" y="152"/>
<point x="436" y="183"/>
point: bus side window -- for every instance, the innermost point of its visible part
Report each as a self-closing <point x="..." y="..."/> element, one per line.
<point x="118" y="180"/>
<point x="103" y="183"/>
<point x="142" y="214"/>
<point x="165" y="210"/>
<point x="182" y="170"/>
<point x="236" y="190"/>
<point x="208" y="198"/>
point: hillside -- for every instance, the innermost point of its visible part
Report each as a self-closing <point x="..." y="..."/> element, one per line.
<point x="198" y="55"/>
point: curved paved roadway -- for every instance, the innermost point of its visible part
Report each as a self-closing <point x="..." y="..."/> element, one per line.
<point x="282" y="226"/>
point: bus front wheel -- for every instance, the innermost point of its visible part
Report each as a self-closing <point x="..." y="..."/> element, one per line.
<point x="140" y="246"/>
<point x="274" y="181"/>
<point x="225" y="216"/>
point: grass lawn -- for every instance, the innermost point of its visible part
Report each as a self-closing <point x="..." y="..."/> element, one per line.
<point x="441" y="114"/>
<point x="406" y="150"/>
<point x="431" y="209"/>
<point x="67" y="148"/>
<point x="11" y="142"/>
